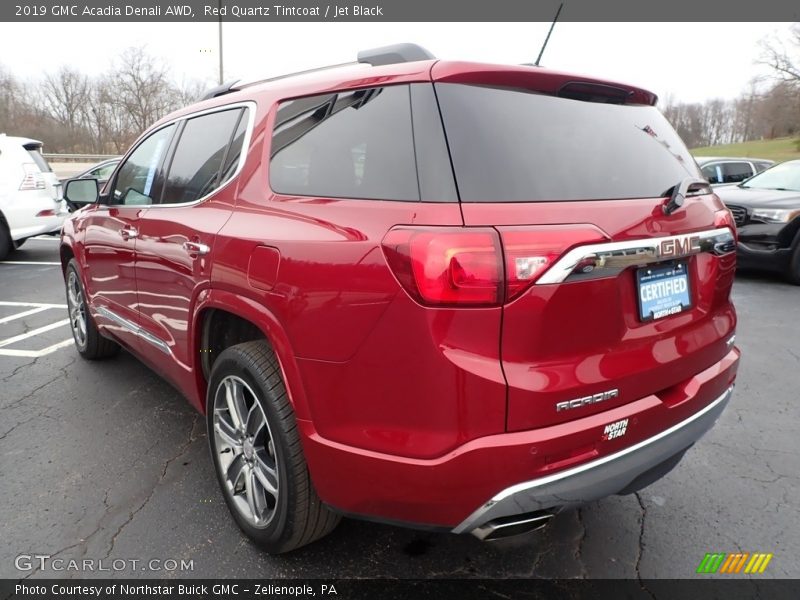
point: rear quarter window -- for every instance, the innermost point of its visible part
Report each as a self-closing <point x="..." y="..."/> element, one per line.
<point x="354" y="144"/>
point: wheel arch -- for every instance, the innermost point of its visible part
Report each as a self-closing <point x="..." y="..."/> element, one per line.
<point x="247" y="320"/>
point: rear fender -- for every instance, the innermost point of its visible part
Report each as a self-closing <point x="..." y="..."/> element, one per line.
<point x="268" y="324"/>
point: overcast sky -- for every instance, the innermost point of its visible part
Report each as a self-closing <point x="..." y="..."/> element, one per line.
<point x="691" y="61"/>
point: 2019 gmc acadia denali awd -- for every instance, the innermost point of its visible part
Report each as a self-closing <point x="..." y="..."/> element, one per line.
<point x="440" y="294"/>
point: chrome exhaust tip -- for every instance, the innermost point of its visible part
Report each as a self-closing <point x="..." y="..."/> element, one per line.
<point x="514" y="525"/>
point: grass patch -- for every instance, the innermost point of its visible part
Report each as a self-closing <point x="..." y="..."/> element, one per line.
<point x="779" y="149"/>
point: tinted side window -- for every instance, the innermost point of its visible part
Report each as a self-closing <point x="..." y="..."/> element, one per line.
<point x="103" y="172"/>
<point x="235" y="150"/>
<point x="734" y="172"/>
<point x="712" y="173"/>
<point x="195" y="168"/>
<point x="140" y="180"/>
<point x="346" y="145"/>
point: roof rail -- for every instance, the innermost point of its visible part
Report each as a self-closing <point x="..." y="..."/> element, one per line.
<point x="386" y="55"/>
<point x="393" y="54"/>
<point x="220" y="90"/>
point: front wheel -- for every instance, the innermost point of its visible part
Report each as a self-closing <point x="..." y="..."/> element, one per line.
<point x="793" y="273"/>
<point x="256" y="451"/>
<point x="88" y="340"/>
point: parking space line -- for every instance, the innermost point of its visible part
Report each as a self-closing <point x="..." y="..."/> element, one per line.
<point x="36" y="353"/>
<point x="33" y="332"/>
<point x="29" y="262"/>
<point x="25" y="313"/>
<point x="36" y="304"/>
<point x="44" y="239"/>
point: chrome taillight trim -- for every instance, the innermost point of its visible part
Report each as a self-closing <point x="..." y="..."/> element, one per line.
<point x="607" y="259"/>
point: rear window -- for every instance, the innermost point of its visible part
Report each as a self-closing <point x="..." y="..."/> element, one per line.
<point x="40" y="161"/>
<point x="510" y="145"/>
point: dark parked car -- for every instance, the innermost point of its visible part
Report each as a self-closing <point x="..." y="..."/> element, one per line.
<point x="720" y="170"/>
<point x="446" y="294"/>
<point x="766" y="209"/>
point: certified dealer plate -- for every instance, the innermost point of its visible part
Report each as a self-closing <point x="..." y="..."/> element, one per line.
<point x="663" y="290"/>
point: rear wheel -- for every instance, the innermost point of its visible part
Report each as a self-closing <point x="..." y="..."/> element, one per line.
<point x="6" y="245"/>
<point x="793" y="273"/>
<point x="256" y="451"/>
<point x="88" y="340"/>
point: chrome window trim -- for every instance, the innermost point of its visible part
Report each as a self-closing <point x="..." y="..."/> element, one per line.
<point x="251" y="118"/>
<point x="610" y="258"/>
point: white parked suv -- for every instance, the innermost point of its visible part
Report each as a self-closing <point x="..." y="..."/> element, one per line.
<point x="30" y="193"/>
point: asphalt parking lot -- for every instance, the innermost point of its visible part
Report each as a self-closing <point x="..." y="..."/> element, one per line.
<point x="104" y="460"/>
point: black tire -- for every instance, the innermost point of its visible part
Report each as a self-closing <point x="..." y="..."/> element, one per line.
<point x="292" y="515"/>
<point x="793" y="273"/>
<point x="6" y="245"/>
<point x="89" y="342"/>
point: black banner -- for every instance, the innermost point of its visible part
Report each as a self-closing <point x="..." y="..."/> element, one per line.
<point x="395" y="10"/>
<point x="387" y="589"/>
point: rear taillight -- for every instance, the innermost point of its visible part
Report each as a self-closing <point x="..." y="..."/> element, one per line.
<point x="33" y="179"/>
<point x="531" y="250"/>
<point x="447" y="265"/>
<point x="471" y="266"/>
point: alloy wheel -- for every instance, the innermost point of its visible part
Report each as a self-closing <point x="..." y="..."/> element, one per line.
<point x="77" y="308"/>
<point x="246" y="452"/>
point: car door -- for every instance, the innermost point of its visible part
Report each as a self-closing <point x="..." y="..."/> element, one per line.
<point x="110" y="233"/>
<point x="176" y="234"/>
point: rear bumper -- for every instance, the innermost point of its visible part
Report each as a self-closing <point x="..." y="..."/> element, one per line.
<point x="599" y="478"/>
<point x="549" y="467"/>
<point x="29" y="225"/>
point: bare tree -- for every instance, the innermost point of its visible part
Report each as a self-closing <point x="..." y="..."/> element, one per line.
<point x="113" y="128"/>
<point x="143" y="87"/>
<point x="65" y="97"/>
<point x="189" y="92"/>
<point x="9" y="99"/>
<point x="784" y="62"/>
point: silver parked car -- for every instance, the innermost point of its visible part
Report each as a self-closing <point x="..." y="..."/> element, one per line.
<point x="720" y="170"/>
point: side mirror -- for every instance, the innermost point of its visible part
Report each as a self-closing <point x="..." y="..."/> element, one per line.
<point x="81" y="191"/>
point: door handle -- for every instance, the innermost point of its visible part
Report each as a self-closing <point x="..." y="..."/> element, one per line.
<point x="128" y="232"/>
<point x="196" y="248"/>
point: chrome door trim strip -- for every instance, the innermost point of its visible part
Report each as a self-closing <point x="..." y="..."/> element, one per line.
<point x="134" y="329"/>
<point x="607" y="259"/>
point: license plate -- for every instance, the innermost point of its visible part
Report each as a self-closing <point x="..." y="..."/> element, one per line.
<point x="663" y="290"/>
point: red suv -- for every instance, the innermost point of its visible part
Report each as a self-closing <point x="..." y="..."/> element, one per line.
<point x="439" y="294"/>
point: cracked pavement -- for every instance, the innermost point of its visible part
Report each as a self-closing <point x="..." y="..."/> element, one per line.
<point x="106" y="460"/>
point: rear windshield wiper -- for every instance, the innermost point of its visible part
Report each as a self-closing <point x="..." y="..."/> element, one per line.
<point x="679" y="192"/>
